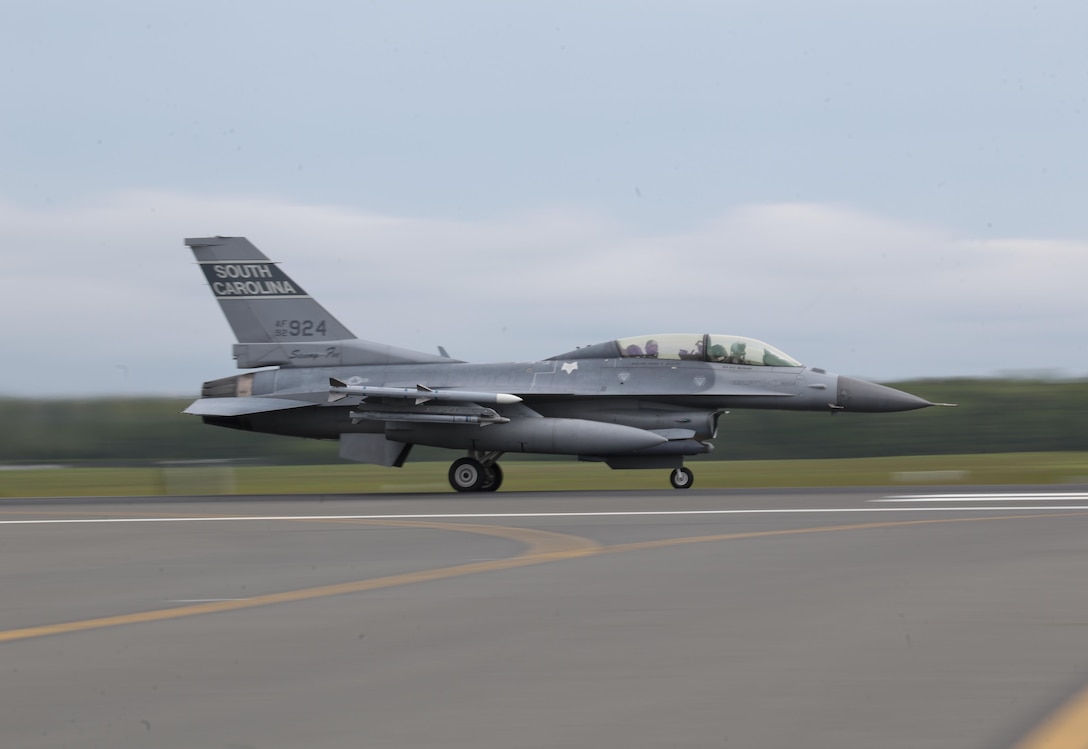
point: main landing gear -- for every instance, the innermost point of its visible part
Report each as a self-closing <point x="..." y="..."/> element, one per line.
<point x="478" y="473"/>
<point x="481" y="473"/>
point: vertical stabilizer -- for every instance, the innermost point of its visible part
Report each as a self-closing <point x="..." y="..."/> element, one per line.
<point x="261" y="302"/>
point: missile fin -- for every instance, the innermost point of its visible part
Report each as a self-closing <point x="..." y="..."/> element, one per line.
<point x="335" y="383"/>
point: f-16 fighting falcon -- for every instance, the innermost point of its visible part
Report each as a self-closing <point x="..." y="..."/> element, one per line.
<point x="639" y="402"/>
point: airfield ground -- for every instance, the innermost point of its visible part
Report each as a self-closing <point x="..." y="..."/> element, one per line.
<point x="224" y="478"/>
<point x="823" y="618"/>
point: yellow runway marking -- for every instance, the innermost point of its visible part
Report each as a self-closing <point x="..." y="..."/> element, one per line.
<point x="543" y="546"/>
<point x="640" y="545"/>
<point x="1065" y="729"/>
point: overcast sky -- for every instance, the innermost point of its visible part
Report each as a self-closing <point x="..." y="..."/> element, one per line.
<point x="887" y="190"/>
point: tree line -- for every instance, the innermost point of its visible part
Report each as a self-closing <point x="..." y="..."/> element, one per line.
<point x="993" y="416"/>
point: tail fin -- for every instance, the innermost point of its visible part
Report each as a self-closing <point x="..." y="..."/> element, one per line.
<point x="261" y="303"/>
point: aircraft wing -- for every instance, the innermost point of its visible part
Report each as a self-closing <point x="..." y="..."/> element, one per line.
<point x="241" y="406"/>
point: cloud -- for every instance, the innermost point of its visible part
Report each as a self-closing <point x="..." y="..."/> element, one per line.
<point x="102" y="297"/>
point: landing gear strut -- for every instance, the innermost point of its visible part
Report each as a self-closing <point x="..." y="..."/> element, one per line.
<point x="492" y="478"/>
<point x="478" y="473"/>
<point x="681" y="478"/>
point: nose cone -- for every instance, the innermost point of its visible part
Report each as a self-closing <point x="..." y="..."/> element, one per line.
<point x="859" y="395"/>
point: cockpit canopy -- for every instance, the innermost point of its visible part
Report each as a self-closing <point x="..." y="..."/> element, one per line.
<point x="711" y="347"/>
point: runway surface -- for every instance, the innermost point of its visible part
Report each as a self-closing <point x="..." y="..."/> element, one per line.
<point x="829" y="619"/>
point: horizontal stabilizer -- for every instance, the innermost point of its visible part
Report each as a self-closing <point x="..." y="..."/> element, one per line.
<point x="241" y="406"/>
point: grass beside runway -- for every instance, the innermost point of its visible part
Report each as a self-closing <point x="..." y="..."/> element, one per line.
<point x="347" y="478"/>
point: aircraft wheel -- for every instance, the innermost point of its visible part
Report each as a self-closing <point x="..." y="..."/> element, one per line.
<point x="681" y="478"/>
<point x="492" y="478"/>
<point x="467" y="475"/>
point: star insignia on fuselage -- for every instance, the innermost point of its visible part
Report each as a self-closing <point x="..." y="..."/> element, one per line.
<point x="569" y="366"/>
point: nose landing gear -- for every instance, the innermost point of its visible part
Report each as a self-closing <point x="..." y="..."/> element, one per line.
<point x="681" y="478"/>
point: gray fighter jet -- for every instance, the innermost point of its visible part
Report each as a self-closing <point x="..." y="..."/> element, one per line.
<point x="640" y="402"/>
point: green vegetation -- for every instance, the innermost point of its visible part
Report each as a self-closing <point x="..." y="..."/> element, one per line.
<point x="1015" y="431"/>
<point x="1007" y="468"/>
<point x="993" y="416"/>
<point x="133" y="432"/>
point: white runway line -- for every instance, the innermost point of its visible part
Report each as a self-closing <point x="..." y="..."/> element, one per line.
<point x="530" y="515"/>
<point x="990" y="497"/>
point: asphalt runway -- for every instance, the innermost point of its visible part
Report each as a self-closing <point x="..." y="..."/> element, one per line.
<point x="844" y="619"/>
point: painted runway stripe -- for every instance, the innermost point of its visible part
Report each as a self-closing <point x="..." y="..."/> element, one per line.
<point x="530" y="515"/>
<point x="542" y="547"/>
<point x="1065" y="729"/>
<point x="991" y="497"/>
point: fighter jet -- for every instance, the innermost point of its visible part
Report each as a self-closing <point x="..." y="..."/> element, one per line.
<point x="643" y="401"/>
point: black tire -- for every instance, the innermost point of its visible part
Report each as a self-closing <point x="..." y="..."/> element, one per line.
<point x="492" y="478"/>
<point x="682" y="478"/>
<point x="467" y="475"/>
